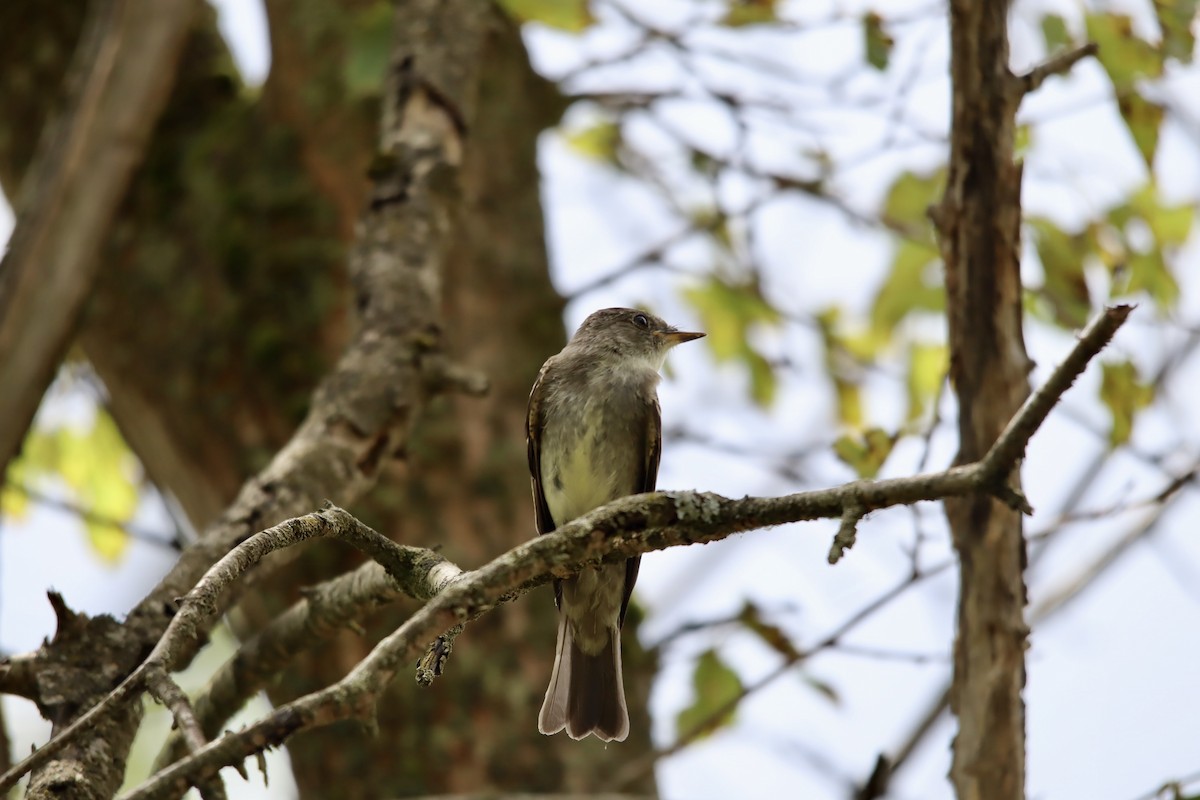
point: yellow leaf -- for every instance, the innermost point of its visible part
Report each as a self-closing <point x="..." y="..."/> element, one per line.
<point x="749" y="12"/>
<point x="598" y="142"/>
<point x="96" y="465"/>
<point x="865" y="453"/>
<point x="1143" y="118"/>
<point x="1125" y="56"/>
<point x="913" y="284"/>
<point x="1124" y="394"/>
<point x="573" y="16"/>
<point x="927" y="366"/>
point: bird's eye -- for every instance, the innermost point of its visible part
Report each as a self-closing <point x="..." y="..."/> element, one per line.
<point x="641" y="321"/>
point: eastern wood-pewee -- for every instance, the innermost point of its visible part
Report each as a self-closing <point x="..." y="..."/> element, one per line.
<point x="595" y="433"/>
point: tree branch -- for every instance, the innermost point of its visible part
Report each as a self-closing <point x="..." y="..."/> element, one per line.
<point x="122" y="73"/>
<point x="1057" y="65"/>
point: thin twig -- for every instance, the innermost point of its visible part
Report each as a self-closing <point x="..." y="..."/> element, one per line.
<point x="1058" y="65"/>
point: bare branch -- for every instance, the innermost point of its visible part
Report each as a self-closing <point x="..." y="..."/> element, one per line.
<point x="163" y="688"/>
<point x="1058" y="65"/>
<point x="847" y="533"/>
<point x="322" y="612"/>
<point x="1010" y="447"/>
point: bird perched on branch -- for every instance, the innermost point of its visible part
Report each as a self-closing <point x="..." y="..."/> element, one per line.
<point x="594" y="435"/>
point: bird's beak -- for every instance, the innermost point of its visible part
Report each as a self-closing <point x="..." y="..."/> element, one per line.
<point x="679" y="337"/>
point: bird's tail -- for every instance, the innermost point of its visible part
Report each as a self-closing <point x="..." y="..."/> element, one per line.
<point x="586" y="693"/>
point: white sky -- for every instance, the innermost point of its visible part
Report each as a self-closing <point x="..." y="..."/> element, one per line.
<point x="1111" y="692"/>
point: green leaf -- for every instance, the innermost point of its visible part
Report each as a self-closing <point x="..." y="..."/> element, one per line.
<point x="1148" y="273"/>
<point x="840" y="366"/>
<point x="1143" y="269"/>
<point x="911" y="194"/>
<point x="865" y="453"/>
<point x="1143" y="118"/>
<point x="1064" y="288"/>
<point x="927" y="367"/>
<point x="598" y="142"/>
<point x="1175" y="18"/>
<point x="717" y="689"/>
<point x="727" y="312"/>
<point x="573" y="16"/>
<point x="878" y="44"/>
<point x="1125" y="56"/>
<point x="1171" y="225"/>
<point x="1054" y="31"/>
<point x="913" y="284"/>
<point x="1122" y="391"/>
<point x="750" y="12"/>
<point x="368" y="48"/>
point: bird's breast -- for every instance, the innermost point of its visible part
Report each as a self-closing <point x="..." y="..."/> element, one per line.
<point x="591" y="454"/>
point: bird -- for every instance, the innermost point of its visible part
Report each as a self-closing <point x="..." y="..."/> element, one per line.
<point x="594" y="434"/>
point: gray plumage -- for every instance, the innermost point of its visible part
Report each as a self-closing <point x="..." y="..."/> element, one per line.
<point x="595" y="434"/>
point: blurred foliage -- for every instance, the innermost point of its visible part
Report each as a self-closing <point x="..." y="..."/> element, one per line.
<point x="717" y="688"/>
<point x="97" y="468"/>
<point x="842" y="368"/>
<point x="865" y="452"/>
<point x="877" y="42"/>
<point x="928" y="365"/>
<point x="750" y="12"/>
<point x="1124" y="394"/>
<point x="369" y="46"/>
<point x="1132" y="242"/>
<point x="1124" y="252"/>
<point x="728" y="314"/>
<point x="598" y="141"/>
<point x="565" y="15"/>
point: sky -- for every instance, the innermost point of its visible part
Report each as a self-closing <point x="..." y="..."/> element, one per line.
<point x="1111" y="698"/>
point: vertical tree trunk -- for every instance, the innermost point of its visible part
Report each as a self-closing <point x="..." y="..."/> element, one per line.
<point x="979" y="222"/>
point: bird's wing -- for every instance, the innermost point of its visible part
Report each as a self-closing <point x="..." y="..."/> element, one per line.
<point x="646" y="483"/>
<point x="533" y="430"/>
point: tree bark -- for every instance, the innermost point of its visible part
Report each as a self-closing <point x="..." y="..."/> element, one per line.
<point x="979" y="223"/>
